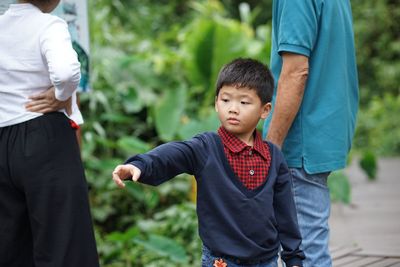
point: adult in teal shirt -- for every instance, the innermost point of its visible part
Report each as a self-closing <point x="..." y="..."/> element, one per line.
<point x="314" y="106"/>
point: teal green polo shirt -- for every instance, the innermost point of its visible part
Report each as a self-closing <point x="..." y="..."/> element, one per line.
<point x="321" y="135"/>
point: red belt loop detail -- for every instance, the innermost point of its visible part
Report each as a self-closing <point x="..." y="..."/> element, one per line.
<point x="74" y="125"/>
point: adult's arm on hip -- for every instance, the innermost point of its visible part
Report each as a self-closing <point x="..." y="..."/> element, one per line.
<point x="289" y="95"/>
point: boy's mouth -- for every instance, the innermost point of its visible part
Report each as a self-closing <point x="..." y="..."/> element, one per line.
<point x="233" y="121"/>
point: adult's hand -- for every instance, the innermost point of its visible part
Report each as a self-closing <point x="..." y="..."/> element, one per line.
<point x="46" y="102"/>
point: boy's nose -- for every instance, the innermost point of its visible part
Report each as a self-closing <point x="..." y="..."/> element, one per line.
<point x="233" y="109"/>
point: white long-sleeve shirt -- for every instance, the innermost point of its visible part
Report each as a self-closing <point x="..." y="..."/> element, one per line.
<point x="35" y="54"/>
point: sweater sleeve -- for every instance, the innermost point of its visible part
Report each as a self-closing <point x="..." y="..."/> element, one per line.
<point x="285" y="213"/>
<point x="168" y="160"/>
<point x="62" y="60"/>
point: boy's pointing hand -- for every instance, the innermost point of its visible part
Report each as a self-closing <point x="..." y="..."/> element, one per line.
<point x="123" y="172"/>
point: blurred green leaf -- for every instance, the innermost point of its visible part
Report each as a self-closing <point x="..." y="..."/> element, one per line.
<point x="339" y="187"/>
<point x="369" y="165"/>
<point x="168" y="113"/>
<point x="129" y="234"/>
<point x="132" y="145"/>
<point x="194" y="127"/>
<point x="147" y="197"/>
<point x="211" y="44"/>
<point x="164" y="246"/>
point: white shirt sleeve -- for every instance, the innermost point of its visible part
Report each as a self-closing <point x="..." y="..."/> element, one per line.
<point x="62" y="60"/>
<point x="76" y="115"/>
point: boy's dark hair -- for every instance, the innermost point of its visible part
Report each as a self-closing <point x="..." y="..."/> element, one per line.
<point x="41" y="2"/>
<point x="249" y="73"/>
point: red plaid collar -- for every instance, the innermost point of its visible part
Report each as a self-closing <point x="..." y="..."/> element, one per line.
<point x="236" y="145"/>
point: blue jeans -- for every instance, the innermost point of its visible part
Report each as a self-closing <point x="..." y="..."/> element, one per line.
<point x="208" y="260"/>
<point x="311" y="196"/>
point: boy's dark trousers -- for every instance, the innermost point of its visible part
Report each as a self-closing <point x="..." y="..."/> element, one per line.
<point x="44" y="210"/>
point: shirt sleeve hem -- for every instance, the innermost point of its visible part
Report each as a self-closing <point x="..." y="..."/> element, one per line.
<point x="297" y="49"/>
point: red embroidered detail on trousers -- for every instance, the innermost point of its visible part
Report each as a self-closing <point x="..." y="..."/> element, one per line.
<point x="220" y="263"/>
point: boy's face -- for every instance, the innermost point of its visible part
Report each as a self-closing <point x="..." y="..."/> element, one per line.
<point x="239" y="110"/>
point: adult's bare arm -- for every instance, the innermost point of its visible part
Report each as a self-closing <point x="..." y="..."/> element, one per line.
<point x="46" y="102"/>
<point x="290" y="92"/>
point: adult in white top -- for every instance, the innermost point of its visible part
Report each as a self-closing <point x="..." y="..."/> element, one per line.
<point x="35" y="54"/>
<point x="44" y="208"/>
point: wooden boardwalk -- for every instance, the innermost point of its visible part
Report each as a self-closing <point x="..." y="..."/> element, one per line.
<point x="367" y="232"/>
<point x="355" y="257"/>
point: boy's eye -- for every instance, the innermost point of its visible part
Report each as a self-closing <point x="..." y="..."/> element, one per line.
<point x="225" y="100"/>
<point x="244" y="102"/>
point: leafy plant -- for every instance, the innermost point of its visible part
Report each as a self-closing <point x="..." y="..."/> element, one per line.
<point x="379" y="126"/>
<point x="339" y="187"/>
<point x="164" y="247"/>
<point x="369" y="164"/>
<point x="153" y="71"/>
<point x="157" y="241"/>
<point x="376" y="23"/>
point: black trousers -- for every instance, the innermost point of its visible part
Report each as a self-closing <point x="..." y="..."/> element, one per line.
<point x="44" y="209"/>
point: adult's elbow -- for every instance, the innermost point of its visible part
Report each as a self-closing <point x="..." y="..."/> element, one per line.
<point x="65" y="75"/>
<point x="303" y="70"/>
<point x="302" y="74"/>
<point x="295" y="67"/>
<point x="66" y="80"/>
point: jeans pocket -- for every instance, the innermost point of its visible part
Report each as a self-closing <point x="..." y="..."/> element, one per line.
<point x="318" y="178"/>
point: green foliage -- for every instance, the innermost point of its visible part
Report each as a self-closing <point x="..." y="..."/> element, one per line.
<point x="168" y="113"/>
<point x="379" y="126"/>
<point x="210" y="41"/>
<point x="376" y="26"/>
<point x="164" y="247"/>
<point x="154" y="66"/>
<point x="261" y="10"/>
<point x="369" y="164"/>
<point x="339" y="187"/>
<point x="163" y="240"/>
<point x="206" y="44"/>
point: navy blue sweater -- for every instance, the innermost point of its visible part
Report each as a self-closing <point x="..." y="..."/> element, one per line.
<point x="233" y="220"/>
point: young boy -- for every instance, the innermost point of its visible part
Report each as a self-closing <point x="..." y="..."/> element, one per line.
<point x="44" y="207"/>
<point x="244" y="202"/>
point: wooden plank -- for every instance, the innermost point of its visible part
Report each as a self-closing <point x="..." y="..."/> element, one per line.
<point x="378" y="253"/>
<point x="386" y="262"/>
<point x="344" y="252"/>
<point x="345" y="260"/>
<point x="362" y="262"/>
<point x="335" y="248"/>
<point x="372" y="222"/>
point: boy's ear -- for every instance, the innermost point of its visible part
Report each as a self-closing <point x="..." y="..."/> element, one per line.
<point x="266" y="109"/>
<point x="215" y="104"/>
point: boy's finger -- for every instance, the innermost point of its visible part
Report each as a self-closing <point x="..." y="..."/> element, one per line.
<point x="135" y="176"/>
<point x="135" y="173"/>
<point x="117" y="180"/>
<point x="118" y="170"/>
